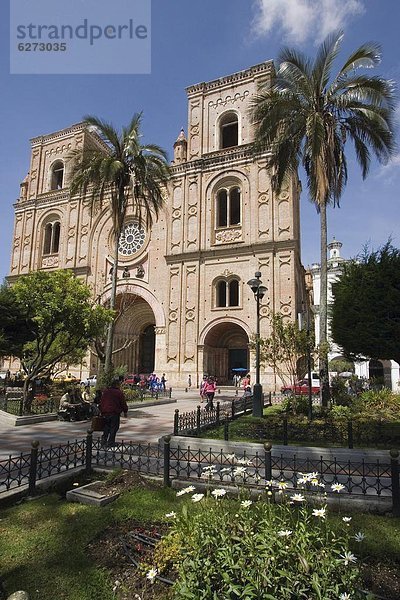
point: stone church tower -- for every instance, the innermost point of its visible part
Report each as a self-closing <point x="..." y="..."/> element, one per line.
<point x="185" y="306"/>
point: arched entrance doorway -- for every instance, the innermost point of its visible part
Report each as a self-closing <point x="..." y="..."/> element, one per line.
<point x="134" y="335"/>
<point x="226" y="347"/>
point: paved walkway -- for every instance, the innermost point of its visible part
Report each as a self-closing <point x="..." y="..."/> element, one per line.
<point x="143" y="424"/>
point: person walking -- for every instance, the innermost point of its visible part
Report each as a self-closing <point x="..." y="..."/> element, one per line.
<point x="112" y="404"/>
<point x="209" y="391"/>
<point x="189" y="382"/>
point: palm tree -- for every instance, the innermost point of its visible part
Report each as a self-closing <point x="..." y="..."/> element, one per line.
<point x="306" y="117"/>
<point x="125" y="171"/>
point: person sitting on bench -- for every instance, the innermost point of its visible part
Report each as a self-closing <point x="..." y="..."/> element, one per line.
<point x="70" y="407"/>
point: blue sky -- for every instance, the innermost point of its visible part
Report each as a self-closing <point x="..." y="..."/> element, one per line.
<point x="200" y="41"/>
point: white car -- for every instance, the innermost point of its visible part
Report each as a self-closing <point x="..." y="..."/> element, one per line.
<point x="89" y="381"/>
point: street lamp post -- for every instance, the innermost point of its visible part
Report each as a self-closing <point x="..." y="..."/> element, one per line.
<point x="259" y="291"/>
<point x="310" y="400"/>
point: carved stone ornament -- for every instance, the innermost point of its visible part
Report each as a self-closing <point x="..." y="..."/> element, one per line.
<point x="228" y="235"/>
<point x="50" y="261"/>
<point x="159" y="330"/>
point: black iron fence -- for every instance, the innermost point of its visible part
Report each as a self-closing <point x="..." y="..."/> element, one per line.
<point x="193" y="422"/>
<point x="39" y="406"/>
<point x="140" y="395"/>
<point x="256" y="469"/>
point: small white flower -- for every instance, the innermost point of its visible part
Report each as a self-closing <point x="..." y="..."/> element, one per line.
<point x="244" y="461"/>
<point x="302" y="481"/>
<point x="209" y="469"/>
<point x="345" y="596"/>
<point x="230" y="457"/>
<point x="319" y="512"/>
<point x="239" y="471"/>
<point x="359" y="537"/>
<point x="297" y="498"/>
<point x="246" y="503"/>
<point x="152" y="574"/>
<point x="219" y="493"/>
<point x="171" y="515"/>
<point x="187" y="490"/>
<point x="197" y="497"/>
<point x="285" y="533"/>
<point x="321" y="485"/>
<point x="270" y="483"/>
<point x="282" y="485"/>
<point x="346" y="519"/>
<point x="315" y="482"/>
<point x="337" y="487"/>
<point x="348" y="558"/>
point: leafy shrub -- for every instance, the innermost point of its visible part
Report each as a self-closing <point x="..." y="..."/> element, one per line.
<point x="298" y="405"/>
<point x="381" y="404"/>
<point x="132" y="395"/>
<point x="242" y="550"/>
<point x="340" y="395"/>
<point x="341" y="412"/>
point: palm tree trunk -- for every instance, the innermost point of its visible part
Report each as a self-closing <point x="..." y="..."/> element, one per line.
<point x="323" y="311"/>
<point x="111" y="325"/>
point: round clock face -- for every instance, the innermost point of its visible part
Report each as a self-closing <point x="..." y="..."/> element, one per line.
<point x="132" y="239"/>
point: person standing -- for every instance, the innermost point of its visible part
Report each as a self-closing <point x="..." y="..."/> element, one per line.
<point x="189" y="382"/>
<point x="112" y="404"/>
<point x="163" y="382"/>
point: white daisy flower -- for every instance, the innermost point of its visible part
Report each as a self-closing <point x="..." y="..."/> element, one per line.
<point x="297" y="498"/>
<point x="348" y="558"/>
<point x="359" y="537"/>
<point x="152" y="574"/>
<point x="285" y="533"/>
<point x="246" y="503"/>
<point x="171" y="515"/>
<point x="346" y="519"/>
<point x="337" y="487"/>
<point x="319" y="512"/>
<point x="345" y="596"/>
<point x="197" y="497"/>
<point x="187" y="490"/>
<point x="219" y="493"/>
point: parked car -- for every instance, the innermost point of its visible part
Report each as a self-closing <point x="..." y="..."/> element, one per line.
<point x="300" y="388"/>
<point x="92" y="381"/>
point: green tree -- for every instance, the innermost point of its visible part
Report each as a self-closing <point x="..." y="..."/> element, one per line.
<point x="128" y="172"/>
<point x="62" y="321"/>
<point x="283" y="348"/>
<point x="15" y="327"/>
<point x="305" y="119"/>
<point x="365" y="315"/>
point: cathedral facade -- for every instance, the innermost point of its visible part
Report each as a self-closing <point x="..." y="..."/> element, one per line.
<point x="185" y="306"/>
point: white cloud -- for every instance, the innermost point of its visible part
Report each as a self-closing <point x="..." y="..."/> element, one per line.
<point x="391" y="169"/>
<point x="301" y="20"/>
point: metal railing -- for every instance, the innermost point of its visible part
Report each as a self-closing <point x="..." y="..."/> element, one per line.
<point x="195" y="421"/>
<point x="14" y="406"/>
<point x="256" y="469"/>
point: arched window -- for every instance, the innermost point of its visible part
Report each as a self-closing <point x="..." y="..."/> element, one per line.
<point x="229" y="130"/>
<point x="57" y="175"/>
<point x="51" y="241"/>
<point x="228" y="207"/>
<point x="227" y="293"/>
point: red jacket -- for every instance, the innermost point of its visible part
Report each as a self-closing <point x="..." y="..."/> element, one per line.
<point x="113" y="402"/>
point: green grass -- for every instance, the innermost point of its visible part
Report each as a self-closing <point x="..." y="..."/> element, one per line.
<point x="43" y="543"/>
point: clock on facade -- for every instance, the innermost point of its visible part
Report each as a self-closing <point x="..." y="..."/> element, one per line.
<point x="132" y="239"/>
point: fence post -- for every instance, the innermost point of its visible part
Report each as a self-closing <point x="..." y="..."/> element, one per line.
<point x="33" y="467"/>
<point x="285" y="431"/>
<point x="88" y="455"/>
<point x="217" y="413"/>
<point x="233" y="409"/>
<point x="350" y="434"/>
<point x="176" y="421"/>
<point x="198" y="415"/>
<point x="268" y="461"/>
<point x="167" y="458"/>
<point x="394" y="463"/>
<point x="226" y="430"/>
<point x="21" y="406"/>
<point x="170" y="392"/>
<point x="270" y="398"/>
